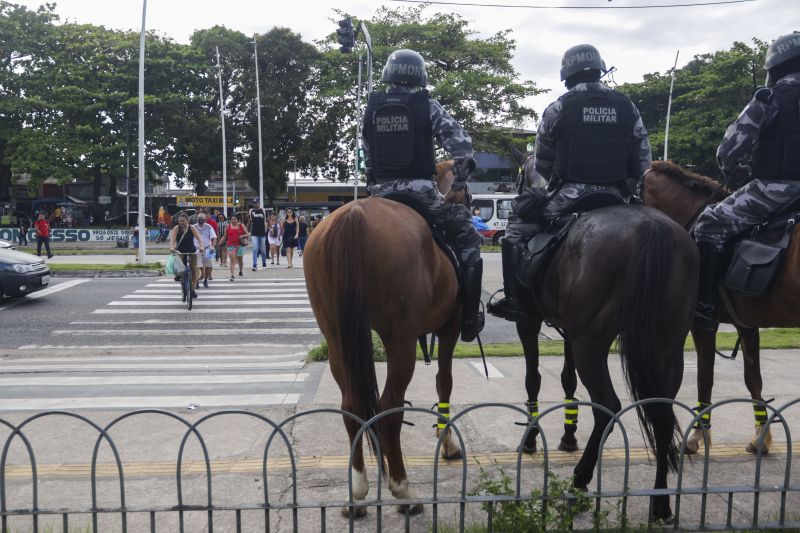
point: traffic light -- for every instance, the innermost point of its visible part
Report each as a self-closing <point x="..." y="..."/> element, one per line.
<point x="360" y="155"/>
<point x="347" y="36"/>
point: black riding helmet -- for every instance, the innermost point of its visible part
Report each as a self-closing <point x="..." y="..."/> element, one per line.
<point x="581" y="58"/>
<point x="783" y="57"/>
<point x="405" y="67"/>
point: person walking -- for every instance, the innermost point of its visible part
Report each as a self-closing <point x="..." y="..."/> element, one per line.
<point x="274" y="236"/>
<point x="22" y="223"/>
<point x="258" y="229"/>
<point x="235" y="235"/>
<point x="42" y="235"/>
<point x="222" y="253"/>
<point x="206" y="241"/>
<point x="302" y="235"/>
<point x="291" y="230"/>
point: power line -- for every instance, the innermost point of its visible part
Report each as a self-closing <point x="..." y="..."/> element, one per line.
<point x="524" y="6"/>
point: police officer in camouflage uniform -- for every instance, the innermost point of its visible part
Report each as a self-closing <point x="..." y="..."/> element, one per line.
<point x="591" y="139"/>
<point x="767" y="133"/>
<point x="398" y="133"/>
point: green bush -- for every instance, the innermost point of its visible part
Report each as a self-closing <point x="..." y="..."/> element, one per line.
<point x="320" y="353"/>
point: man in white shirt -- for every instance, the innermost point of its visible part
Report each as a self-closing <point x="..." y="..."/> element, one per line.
<point x="209" y="237"/>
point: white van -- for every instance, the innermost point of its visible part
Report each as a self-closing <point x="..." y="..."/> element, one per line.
<point x="494" y="210"/>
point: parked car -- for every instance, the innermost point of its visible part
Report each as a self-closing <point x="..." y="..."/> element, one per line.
<point x="5" y="245"/>
<point x="21" y="273"/>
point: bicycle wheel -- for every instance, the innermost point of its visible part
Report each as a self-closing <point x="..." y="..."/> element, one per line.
<point x="189" y="287"/>
<point x="183" y="286"/>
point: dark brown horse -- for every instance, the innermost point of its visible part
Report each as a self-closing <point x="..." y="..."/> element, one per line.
<point x="629" y="273"/>
<point x="373" y="265"/>
<point x="682" y="195"/>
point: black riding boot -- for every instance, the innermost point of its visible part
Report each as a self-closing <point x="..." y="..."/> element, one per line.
<point x="508" y="307"/>
<point x="473" y="319"/>
<point x="705" y="315"/>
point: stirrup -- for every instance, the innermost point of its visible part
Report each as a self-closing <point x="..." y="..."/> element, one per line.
<point x="499" y="308"/>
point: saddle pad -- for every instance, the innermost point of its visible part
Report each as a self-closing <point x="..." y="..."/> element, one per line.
<point x="540" y="249"/>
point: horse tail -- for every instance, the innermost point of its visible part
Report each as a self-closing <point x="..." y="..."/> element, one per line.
<point x="347" y="299"/>
<point x="644" y="341"/>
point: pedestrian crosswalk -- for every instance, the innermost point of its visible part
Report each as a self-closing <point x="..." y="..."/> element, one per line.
<point x="243" y="344"/>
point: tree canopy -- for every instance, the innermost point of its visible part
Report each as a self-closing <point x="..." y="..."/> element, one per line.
<point x="710" y="92"/>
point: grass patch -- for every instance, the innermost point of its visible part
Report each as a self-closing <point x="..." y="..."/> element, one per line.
<point x="775" y="339"/>
<point x="489" y="248"/>
<point x="63" y="267"/>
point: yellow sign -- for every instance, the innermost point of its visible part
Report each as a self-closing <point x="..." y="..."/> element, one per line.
<point x="202" y="201"/>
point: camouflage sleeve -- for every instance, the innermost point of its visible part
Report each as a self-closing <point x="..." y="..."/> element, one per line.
<point x="545" y="151"/>
<point x="641" y="143"/>
<point x="449" y="133"/>
<point x="741" y="136"/>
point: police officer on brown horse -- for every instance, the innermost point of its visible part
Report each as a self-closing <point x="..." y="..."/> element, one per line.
<point x="398" y="134"/>
<point x="591" y="139"/>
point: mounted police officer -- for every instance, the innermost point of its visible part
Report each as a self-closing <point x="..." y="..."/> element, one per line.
<point x="398" y="133"/>
<point x="767" y="132"/>
<point x="590" y="140"/>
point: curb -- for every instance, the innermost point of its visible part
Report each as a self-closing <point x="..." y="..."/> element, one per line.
<point x="107" y="273"/>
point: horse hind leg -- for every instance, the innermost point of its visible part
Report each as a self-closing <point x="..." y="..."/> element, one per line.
<point x="448" y="336"/>
<point x="360" y="482"/>
<point x="705" y="346"/>
<point x="569" y="382"/>
<point x="401" y="357"/>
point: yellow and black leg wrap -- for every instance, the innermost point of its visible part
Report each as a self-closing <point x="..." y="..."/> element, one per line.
<point x="570" y="413"/>
<point x="444" y="410"/>
<point x="533" y="409"/>
<point x="760" y="413"/>
<point x="704" y="422"/>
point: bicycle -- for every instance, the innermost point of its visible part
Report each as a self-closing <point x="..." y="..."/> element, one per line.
<point x="187" y="281"/>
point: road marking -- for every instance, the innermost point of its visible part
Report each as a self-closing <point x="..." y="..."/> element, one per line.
<point x="221" y="290"/>
<point x="101" y="366"/>
<point x="151" y="359"/>
<point x="249" y="311"/>
<point x="56" y="288"/>
<point x="204" y="295"/>
<point x="200" y="302"/>
<point x="225" y="379"/>
<point x="152" y="346"/>
<point x="339" y="462"/>
<point x="142" y="402"/>
<point x="493" y="372"/>
<point x="183" y="332"/>
<point x="247" y="283"/>
<point x="194" y="321"/>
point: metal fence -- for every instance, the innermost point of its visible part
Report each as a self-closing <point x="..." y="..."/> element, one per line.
<point x="742" y="503"/>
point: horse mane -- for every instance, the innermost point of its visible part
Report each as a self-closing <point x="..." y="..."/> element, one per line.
<point x="691" y="180"/>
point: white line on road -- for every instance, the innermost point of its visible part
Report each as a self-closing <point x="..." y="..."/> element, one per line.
<point x="153" y="346"/>
<point x="56" y="288"/>
<point x="194" y="321"/>
<point x="225" y="379"/>
<point x="183" y="332"/>
<point x="249" y="311"/>
<point x="249" y="283"/>
<point x="103" y="366"/>
<point x="220" y="290"/>
<point x="200" y="302"/>
<point x="150" y="359"/>
<point x="139" y="402"/>
<point x="493" y="372"/>
<point x="206" y="295"/>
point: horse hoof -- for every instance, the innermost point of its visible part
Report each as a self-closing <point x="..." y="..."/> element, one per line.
<point x="357" y="511"/>
<point x="527" y="448"/>
<point x="568" y="446"/>
<point x="455" y="456"/>
<point x="411" y="509"/>
<point x="751" y="448"/>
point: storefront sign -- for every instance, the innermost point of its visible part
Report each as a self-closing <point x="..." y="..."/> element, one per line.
<point x="202" y="201"/>
<point x="74" y="235"/>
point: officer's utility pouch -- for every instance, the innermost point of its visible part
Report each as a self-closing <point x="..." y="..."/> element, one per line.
<point x="756" y="261"/>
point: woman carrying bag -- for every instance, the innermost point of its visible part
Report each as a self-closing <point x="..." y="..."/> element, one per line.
<point x="274" y="237"/>
<point x="291" y="230"/>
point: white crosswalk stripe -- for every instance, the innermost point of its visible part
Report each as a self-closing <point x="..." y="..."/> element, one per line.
<point x="243" y="344"/>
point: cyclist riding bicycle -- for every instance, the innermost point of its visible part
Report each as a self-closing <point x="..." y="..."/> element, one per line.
<point x="180" y="241"/>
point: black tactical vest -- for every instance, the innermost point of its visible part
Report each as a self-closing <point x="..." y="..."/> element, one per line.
<point x="593" y="138"/>
<point x="398" y="129"/>
<point x="776" y="155"/>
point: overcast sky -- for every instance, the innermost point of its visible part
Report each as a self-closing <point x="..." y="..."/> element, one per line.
<point x="636" y="41"/>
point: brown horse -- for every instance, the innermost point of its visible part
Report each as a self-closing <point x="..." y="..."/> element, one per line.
<point x="373" y="265"/>
<point x="682" y="195"/>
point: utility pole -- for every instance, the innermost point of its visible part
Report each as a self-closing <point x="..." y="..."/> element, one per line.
<point x="258" y="106"/>
<point x="127" y="174"/>
<point x="669" y="105"/>
<point x="142" y="227"/>
<point x="357" y="172"/>
<point x="224" y="156"/>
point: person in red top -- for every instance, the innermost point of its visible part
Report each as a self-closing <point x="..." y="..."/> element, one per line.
<point x="233" y="237"/>
<point x="42" y="235"/>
